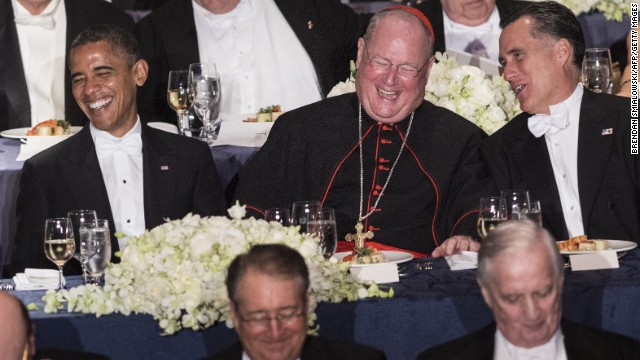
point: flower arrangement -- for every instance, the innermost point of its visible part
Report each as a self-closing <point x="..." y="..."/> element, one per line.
<point x="176" y="272"/>
<point x="466" y="90"/>
<point x="612" y="9"/>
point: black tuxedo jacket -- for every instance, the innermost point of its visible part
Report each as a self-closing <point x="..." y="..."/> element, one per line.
<point x="15" y="108"/>
<point x="433" y="10"/>
<point x="608" y="174"/>
<point x="580" y="342"/>
<point x="179" y="177"/>
<point x="315" y="348"/>
<point x="327" y="29"/>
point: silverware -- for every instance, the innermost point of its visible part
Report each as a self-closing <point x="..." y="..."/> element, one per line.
<point x="6" y="287"/>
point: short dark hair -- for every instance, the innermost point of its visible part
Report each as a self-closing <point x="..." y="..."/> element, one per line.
<point x="271" y="259"/>
<point x="553" y="20"/>
<point x="521" y="234"/>
<point x="121" y="40"/>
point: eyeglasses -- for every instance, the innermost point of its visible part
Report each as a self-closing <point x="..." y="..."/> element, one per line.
<point x="382" y="64"/>
<point x="262" y="320"/>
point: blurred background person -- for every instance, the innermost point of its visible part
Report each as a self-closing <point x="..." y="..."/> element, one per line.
<point x="521" y="273"/>
<point x="35" y="36"/>
<point x="269" y="292"/>
<point x="286" y="52"/>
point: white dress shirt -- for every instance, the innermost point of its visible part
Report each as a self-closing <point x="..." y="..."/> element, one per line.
<point x="260" y="60"/>
<point x="121" y="165"/>
<point x="42" y="41"/>
<point x="458" y="36"/>
<point x="563" y="152"/>
<point x="552" y="350"/>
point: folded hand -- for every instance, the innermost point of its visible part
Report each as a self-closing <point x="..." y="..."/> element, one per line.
<point x="456" y="244"/>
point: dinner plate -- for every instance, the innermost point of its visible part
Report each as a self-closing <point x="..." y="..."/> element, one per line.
<point x="391" y="257"/>
<point x="20" y="133"/>
<point x="617" y="245"/>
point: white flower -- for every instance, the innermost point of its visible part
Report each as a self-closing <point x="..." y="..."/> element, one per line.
<point x="176" y="272"/>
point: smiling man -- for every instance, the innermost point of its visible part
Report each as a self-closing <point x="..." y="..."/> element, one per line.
<point x="571" y="148"/>
<point x="405" y="169"/>
<point x="520" y="273"/>
<point x="131" y="174"/>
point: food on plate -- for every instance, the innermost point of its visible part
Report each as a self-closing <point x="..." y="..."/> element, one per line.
<point x="50" y="128"/>
<point x="581" y="243"/>
<point x="366" y="255"/>
<point x="266" y="114"/>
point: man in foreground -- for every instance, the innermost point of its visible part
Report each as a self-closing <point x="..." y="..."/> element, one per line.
<point x="269" y="292"/>
<point x="384" y="158"/>
<point x="133" y="175"/>
<point x="520" y="273"/>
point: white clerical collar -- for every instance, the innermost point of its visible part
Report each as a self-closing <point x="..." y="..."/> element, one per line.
<point x="493" y="22"/>
<point x="95" y="132"/>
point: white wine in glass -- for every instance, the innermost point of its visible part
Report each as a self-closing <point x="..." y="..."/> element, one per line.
<point x="493" y="212"/>
<point x="180" y="98"/>
<point x="58" y="243"/>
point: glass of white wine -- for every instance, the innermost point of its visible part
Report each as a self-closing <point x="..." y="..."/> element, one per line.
<point x="180" y="97"/>
<point x="493" y="212"/>
<point x="58" y="243"/>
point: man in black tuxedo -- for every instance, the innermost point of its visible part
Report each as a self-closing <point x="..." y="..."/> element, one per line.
<point x="314" y="43"/>
<point x="577" y="160"/>
<point x="133" y="175"/>
<point x="269" y="293"/>
<point x="520" y="273"/>
<point x="15" y="105"/>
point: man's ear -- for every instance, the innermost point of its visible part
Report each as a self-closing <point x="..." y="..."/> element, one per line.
<point x="564" y="52"/>
<point x="141" y="71"/>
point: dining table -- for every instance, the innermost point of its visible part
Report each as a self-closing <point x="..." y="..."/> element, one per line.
<point x="429" y="307"/>
<point x="229" y="159"/>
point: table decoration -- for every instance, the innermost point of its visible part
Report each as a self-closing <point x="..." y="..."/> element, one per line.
<point x="611" y="9"/>
<point x="176" y="272"/>
<point x="466" y="90"/>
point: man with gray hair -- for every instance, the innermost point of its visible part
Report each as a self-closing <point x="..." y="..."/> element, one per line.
<point x="521" y="273"/>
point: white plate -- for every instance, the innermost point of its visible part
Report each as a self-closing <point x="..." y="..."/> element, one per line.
<point x="21" y="133"/>
<point x="391" y="257"/>
<point x="617" y="245"/>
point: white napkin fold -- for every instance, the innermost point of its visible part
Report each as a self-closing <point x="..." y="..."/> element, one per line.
<point x="164" y="126"/>
<point x="463" y="261"/>
<point x="239" y="133"/>
<point x="37" y="279"/>
<point x="35" y="144"/>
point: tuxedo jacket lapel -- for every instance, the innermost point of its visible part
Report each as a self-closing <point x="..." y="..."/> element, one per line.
<point x="160" y="177"/>
<point x="593" y="151"/>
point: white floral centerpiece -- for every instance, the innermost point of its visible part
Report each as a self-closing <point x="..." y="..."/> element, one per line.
<point x="176" y="272"/>
<point x="466" y="90"/>
<point x="612" y="9"/>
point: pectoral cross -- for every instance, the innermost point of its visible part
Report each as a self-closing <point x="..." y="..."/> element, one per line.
<point x="359" y="237"/>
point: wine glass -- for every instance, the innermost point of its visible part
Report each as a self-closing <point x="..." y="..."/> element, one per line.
<point x="84" y="249"/>
<point x="100" y="235"/>
<point x="493" y="212"/>
<point x="322" y="223"/>
<point x="180" y="97"/>
<point x="281" y="215"/>
<point x="205" y="84"/>
<point x="534" y="213"/>
<point x="58" y="243"/>
<point x="517" y="202"/>
<point x="596" y="69"/>
<point x="300" y="212"/>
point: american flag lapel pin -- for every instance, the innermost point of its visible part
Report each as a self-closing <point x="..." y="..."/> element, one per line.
<point x="164" y="167"/>
<point x="310" y="24"/>
<point x="608" y="131"/>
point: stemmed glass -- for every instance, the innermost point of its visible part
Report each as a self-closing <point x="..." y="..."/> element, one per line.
<point x="281" y="215"/>
<point x="322" y="223"/>
<point x="493" y="212"/>
<point x="58" y="243"/>
<point x="300" y="213"/>
<point x="84" y="247"/>
<point x="596" y="69"/>
<point x="99" y="234"/>
<point x="180" y="97"/>
<point x="205" y="84"/>
<point x="517" y="202"/>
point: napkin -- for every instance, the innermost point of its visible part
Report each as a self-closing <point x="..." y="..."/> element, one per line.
<point x="34" y="144"/>
<point x="37" y="279"/>
<point x="164" y="127"/>
<point x="463" y="261"/>
<point x="233" y="131"/>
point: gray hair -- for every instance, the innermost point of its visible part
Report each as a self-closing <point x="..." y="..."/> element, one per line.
<point x="522" y="235"/>
<point x="403" y="15"/>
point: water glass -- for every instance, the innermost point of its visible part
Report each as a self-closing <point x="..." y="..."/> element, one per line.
<point x="534" y="213"/>
<point x="100" y="235"/>
<point x="83" y="249"/>
<point x="205" y="85"/>
<point x="281" y="215"/>
<point x="58" y="243"/>
<point x="493" y="212"/>
<point x="322" y="224"/>
<point x="517" y="201"/>
<point x="300" y="213"/>
<point x="596" y="70"/>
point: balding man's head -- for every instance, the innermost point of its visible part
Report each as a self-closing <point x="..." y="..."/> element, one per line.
<point x="17" y="339"/>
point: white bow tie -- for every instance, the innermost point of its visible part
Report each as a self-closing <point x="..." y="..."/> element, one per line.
<point x="222" y="23"/>
<point x="540" y="124"/>
<point x="45" y="21"/>
<point x="131" y="145"/>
